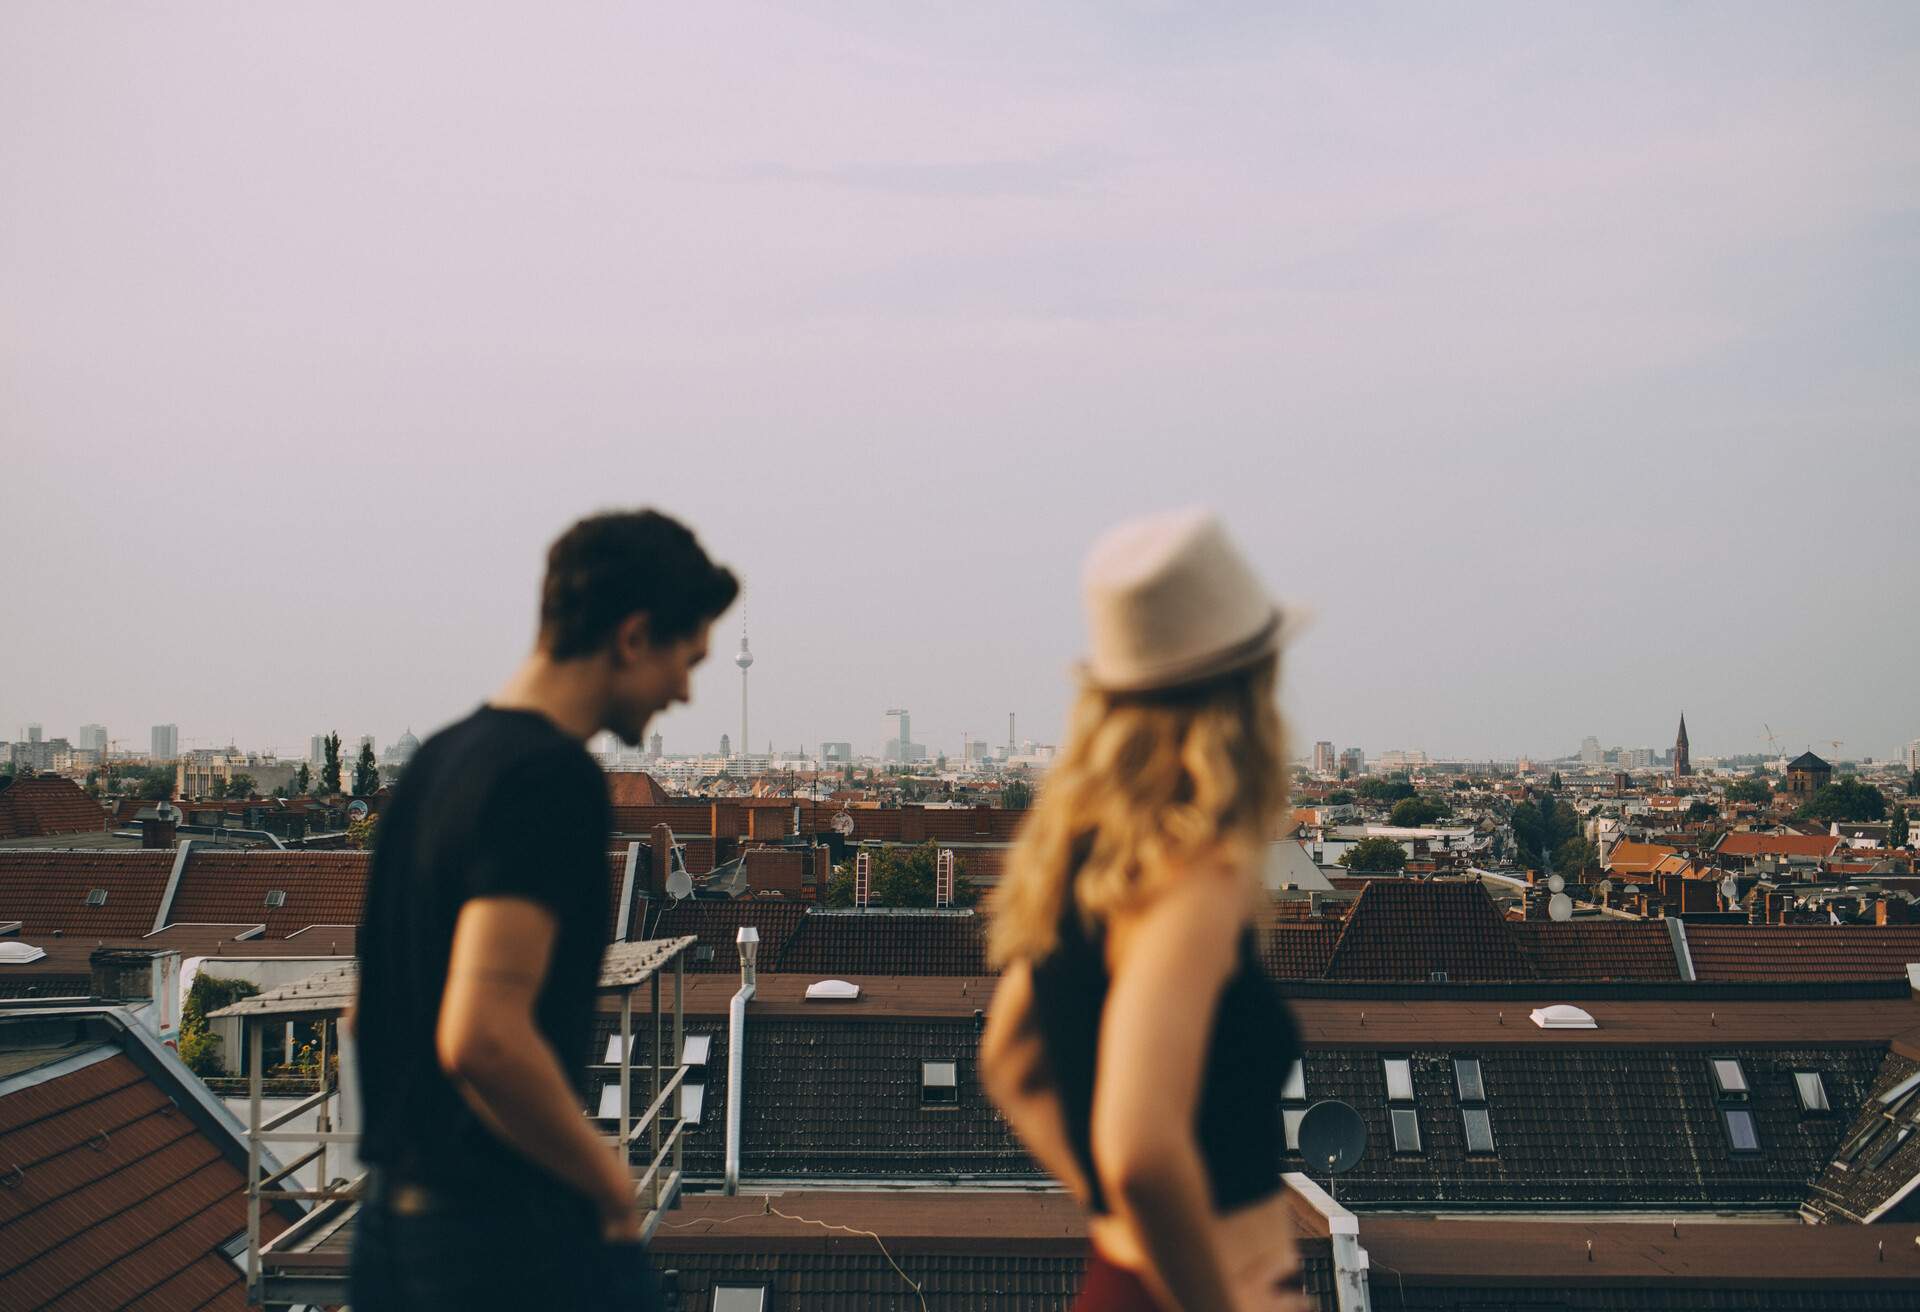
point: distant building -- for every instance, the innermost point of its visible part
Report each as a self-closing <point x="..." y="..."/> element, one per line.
<point x="1682" y="759"/>
<point x="1807" y="774"/>
<point x="1324" y="761"/>
<point x="33" y="733"/>
<point x="1913" y="754"/>
<point x="317" y="749"/>
<point x="1590" y="753"/>
<point x="1353" y="761"/>
<point x="1402" y="760"/>
<point x="93" y="738"/>
<point x="836" y="753"/>
<point x="726" y="745"/>
<point x="164" y="742"/>
<point x="656" y="747"/>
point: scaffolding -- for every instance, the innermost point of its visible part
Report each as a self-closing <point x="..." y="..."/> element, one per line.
<point x="307" y="1262"/>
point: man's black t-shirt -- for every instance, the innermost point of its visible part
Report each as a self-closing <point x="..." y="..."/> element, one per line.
<point x="501" y="804"/>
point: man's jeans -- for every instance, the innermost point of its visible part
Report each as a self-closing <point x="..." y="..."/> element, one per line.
<point x="453" y="1253"/>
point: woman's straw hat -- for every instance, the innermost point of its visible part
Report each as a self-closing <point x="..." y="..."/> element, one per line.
<point x="1171" y="601"/>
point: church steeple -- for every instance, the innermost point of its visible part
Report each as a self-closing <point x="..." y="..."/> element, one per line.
<point x="1682" y="761"/>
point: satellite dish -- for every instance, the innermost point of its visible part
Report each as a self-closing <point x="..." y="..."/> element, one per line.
<point x="1606" y="887"/>
<point x="843" y="824"/>
<point x="1730" y="889"/>
<point x="1560" y="907"/>
<point x="1332" y="1137"/>
<point x="357" y="809"/>
<point x="167" y="811"/>
<point x="1555" y="884"/>
<point x="679" y="884"/>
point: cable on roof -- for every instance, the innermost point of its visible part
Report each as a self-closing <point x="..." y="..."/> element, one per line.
<point x="768" y="1209"/>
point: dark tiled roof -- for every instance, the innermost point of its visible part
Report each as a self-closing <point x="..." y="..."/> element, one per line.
<point x="1299" y="949"/>
<point x="322" y="888"/>
<point x="1586" y="950"/>
<point x="1403" y="929"/>
<point x="1853" y="1191"/>
<point x="1807" y="761"/>
<point x="895" y="943"/>
<point x="48" y="891"/>
<point x="1593" y="1127"/>
<point x="120" y="1200"/>
<point x="48" y="805"/>
<point x="1802" y="952"/>
<point x="714" y="922"/>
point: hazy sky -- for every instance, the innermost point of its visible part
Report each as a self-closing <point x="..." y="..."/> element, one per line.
<point x="1565" y="360"/>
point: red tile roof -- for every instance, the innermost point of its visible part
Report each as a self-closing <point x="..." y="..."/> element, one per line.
<point x="120" y="1199"/>
<point x="1802" y="952"/>
<point x="1299" y="949"/>
<point x="1588" y="950"/>
<point x="48" y="805"/>
<point x="634" y="788"/>
<point x="1407" y="930"/>
<point x="1742" y="842"/>
<point x="322" y="888"/>
<point x="48" y="891"/>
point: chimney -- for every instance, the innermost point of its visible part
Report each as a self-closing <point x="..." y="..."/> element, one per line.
<point x="156" y="834"/>
<point x="1892" y="911"/>
<point x="660" y="860"/>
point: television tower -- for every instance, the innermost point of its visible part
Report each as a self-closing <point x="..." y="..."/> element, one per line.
<point x="744" y="659"/>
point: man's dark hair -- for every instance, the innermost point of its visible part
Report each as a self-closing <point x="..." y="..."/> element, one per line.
<point x="610" y="566"/>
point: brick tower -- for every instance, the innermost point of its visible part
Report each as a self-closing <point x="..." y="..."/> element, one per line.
<point x="1682" y="761"/>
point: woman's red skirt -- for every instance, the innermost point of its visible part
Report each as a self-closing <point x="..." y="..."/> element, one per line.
<point x="1110" y="1288"/>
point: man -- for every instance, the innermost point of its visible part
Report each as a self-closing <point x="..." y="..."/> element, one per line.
<point x="486" y="919"/>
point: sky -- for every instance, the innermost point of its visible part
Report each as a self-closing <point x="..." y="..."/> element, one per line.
<point x="1562" y="360"/>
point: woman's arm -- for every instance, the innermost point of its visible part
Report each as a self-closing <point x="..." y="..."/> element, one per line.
<point x="1173" y="962"/>
<point x="1013" y="1067"/>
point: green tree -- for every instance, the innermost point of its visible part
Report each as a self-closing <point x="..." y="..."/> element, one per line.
<point x="1016" y="795"/>
<point x="303" y="780"/>
<point x="1388" y="790"/>
<point x="1412" y="812"/>
<point x="1845" y="799"/>
<point x="1576" y="858"/>
<point x="1752" y="789"/>
<point x="363" y="833"/>
<point x="1375" y="855"/>
<point x="1553" y="783"/>
<point x="902" y="877"/>
<point x="156" y="783"/>
<point x="840" y="885"/>
<point x="1702" y="809"/>
<point x="241" y="787"/>
<point x="1913" y="785"/>
<point x="1340" y="797"/>
<point x="198" y="1046"/>
<point x="1537" y="830"/>
<point x="92" y="785"/>
<point x="366" y="773"/>
<point x="330" y="766"/>
<point x="1900" y="830"/>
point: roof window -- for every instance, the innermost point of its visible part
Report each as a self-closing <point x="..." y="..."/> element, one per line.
<point x="1851" y="1149"/>
<point x="739" y="1298"/>
<point x="276" y="897"/>
<point x="1729" y="1078"/>
<point x="1290" y="1118"/>
<point x="1562" y="1016"/>
<point x="1399" y="1072"/>
<point x="832" y="990"/>
<point x="1479" y="1124"/>
<point x="17" y="953"/>
<point x="1886" y="1148"/>
<point x="693" y="1097"/>
<point x="694" y="1049"/>
<point x="1406" y="1130"/>
<point x="613" y="1051"/>
<point x="1813" y="1092"/>
<point x="96" y="897"/>
<point x="1741" y="1136"/>
<point x="609" y="1102"/>
<point x="1899" y="1091"/>
<point x="939" y="1083"/>
<point x="1295" y="1089"/>
<point x="1466" y="1075"/>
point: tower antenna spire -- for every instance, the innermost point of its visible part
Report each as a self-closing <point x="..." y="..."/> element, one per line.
<point x="744" y="659"/>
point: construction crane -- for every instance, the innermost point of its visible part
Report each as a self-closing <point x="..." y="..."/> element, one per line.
<point x="1836" y="744"/>
<point x="1773" y="741"/>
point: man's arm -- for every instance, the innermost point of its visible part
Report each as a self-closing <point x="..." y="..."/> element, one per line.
<point x="488" y="1043"/>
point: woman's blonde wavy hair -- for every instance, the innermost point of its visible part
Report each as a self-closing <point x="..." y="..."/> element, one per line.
<point x="1147" y="784"/>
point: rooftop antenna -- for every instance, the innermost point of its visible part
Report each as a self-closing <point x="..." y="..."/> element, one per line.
<point x="1332" y="1138"/>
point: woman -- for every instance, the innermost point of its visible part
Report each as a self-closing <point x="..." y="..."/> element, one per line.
<point x="1135" y="1044"/>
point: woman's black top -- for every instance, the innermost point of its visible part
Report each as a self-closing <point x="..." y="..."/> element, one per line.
<point x="1254" y="1045"/>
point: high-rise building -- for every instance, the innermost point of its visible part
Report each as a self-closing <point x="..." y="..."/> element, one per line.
<point x="1354" y="762"/>
<point x="726" y="745"/>
<point x="836" y="753"/>
<point x="93" y="738"/>
<point x="656" y="746"/>
<point x="1913" y="754"/>
<point x="317" y="749"/>
<point x="1682" y="760"/>
<point x="1590" y="753"/>
<point x="33" y="733"/>
<point x="164" y="742"/>
<point x="1323" y="758"/>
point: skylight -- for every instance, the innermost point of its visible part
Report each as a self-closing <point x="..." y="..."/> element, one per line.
<point x="1290" y="1118"/>
<point x="1406" y="1130"/>
<point x="96" y="897"/>
<point x="832" y="990"/>
<point x="939" y="1082"/>
<point x="1479" y="1129"/>
<point x="1295" y="1089"/>
<point x="1728" y="1076"/>
<point x="1399" y="1079"/>
<point x="17" y="953"/>
<point x="1466" y="1074"/>
<point x="609" y="1102"/>
<point x="1888" y="1145"/>
<point x="1741" y="1136"/>
<point x="1813" y="1091"/>
<point x="1561" y="1016"/>
<point x="693" y="1097"/>
<point x="694" y="1050"/>
<point x="739" y="1298"/>
<point x="276" y="897"/>
<point x="613" y="1050"/>
<point x="1900" y="1090"/>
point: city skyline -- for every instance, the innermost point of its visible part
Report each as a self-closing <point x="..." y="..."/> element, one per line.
<point x="1512" y="344"/>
